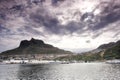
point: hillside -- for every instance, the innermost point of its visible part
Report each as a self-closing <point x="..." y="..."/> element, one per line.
<point x="103" y="52"/>
<point x="113" y="52"/>
<point x="34" y="46"/>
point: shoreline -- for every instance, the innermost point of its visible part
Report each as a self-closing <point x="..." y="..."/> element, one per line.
<point x="54" y="62"/>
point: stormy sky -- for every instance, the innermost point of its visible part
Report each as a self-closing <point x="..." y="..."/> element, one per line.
<point x="75" y="25"/>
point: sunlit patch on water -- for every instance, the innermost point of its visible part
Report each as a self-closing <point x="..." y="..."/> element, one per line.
<point x="78" y="71"/>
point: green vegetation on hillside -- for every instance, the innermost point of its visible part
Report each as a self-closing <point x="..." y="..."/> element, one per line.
<point x="82" y="57"/>
<point x="107" y="52"/>
<point x="113" y="52"/>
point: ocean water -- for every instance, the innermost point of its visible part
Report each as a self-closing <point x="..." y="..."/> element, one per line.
<point x="74" y="71"/>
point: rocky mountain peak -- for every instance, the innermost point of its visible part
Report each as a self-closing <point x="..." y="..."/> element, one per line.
<point x="35" y="42"/>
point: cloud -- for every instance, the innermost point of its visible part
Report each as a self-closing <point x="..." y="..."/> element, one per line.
<point x="47" y="21"/>
<point x="45" y="18"/>
<point x="109" y="14"/>
<point x="56" y="2"/>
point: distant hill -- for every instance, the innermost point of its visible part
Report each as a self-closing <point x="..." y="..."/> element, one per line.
<point x="106" y="46"/>
<point x="113" y="52"/>
<point x="103" y="52"/>
<point x="107" y="51"/>
<point x="34" y="46"/>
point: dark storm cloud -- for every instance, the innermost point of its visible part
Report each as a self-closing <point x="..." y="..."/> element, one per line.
<point x="86" y="15"/>
<point x="2" y="16"/>
<point x="73" y="26"/>
<point x="52" y="24"/>
<point x="108" y="19"/>
<point x="17" y="7"/>
<point x="38" y="1"/>
<point x="3" y="30"/>
<point x="55" y="2"/>
<point x="23" y="19"/>
<point x="110" y="14"/>
<point x="42" y="17"/>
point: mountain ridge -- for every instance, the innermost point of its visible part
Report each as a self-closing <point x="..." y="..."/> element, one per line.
<point x="34" y="46"/>
<point x="107" y="51"/>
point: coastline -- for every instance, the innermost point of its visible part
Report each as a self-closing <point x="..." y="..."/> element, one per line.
<point x="12" y="61"/>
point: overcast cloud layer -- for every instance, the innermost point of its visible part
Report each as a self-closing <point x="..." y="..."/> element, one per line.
<point x="76" y="25"/>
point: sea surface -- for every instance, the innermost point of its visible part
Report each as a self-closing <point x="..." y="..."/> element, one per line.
<point x="74" y="71"/>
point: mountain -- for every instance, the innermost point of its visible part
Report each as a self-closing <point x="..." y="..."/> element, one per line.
<point x="103" y="52"/>
<point x="108" y="51"/>
<point x="35" y="47"/>
<point x="106" y="46"/>
<point x="112" y="52"/>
